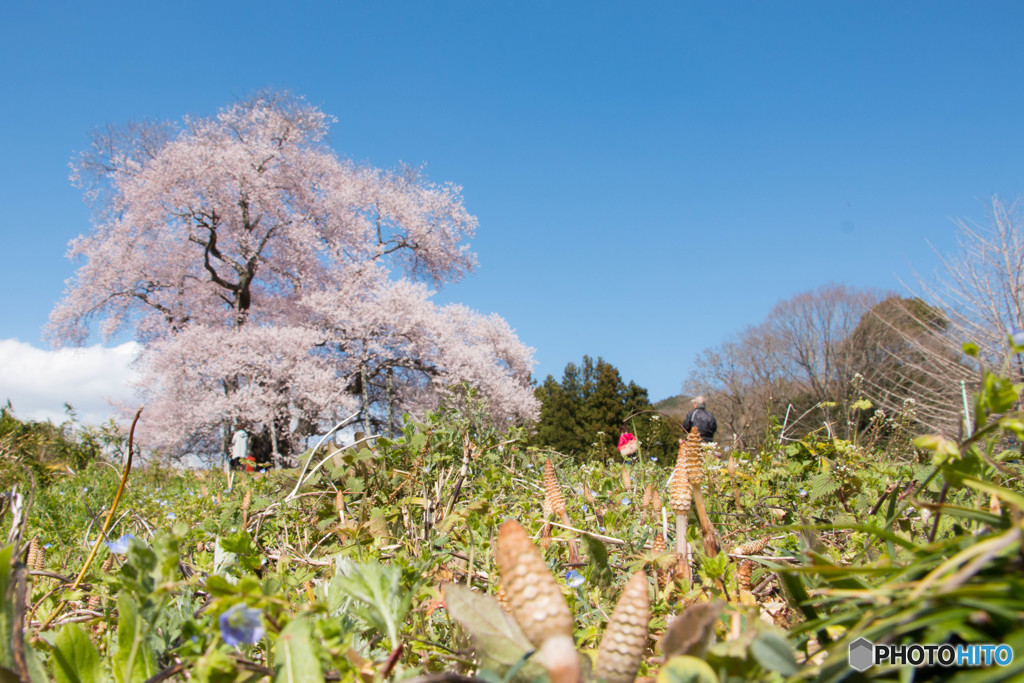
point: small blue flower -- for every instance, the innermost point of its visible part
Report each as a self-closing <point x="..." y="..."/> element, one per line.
<point x="171" y="515"/>
<point x="47" y="546"/>
<point x="654" y="459"/>
<point x="625" y="501"/>
<point x="600" y="528"/>
<point x="1016" y="336"/>
<point x="586" y="508"/>
<point x="573" y="578"/>
<point x="241" y="625"/>
<point x="120" y="546"/>
<point x="803" y="492"/>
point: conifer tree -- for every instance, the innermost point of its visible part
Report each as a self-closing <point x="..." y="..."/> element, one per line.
<point x="588" y="409"/>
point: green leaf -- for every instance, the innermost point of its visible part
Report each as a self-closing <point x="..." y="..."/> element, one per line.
<point x="862" y="404"/>
<point x="295" y="661"/>
<point x="686" y="669"/>
<point x="75" y="659"/>
<point x="1004" y="494"/>
<point x="215" y="667"/>
<point x="773" y="653"/>
<point x="378" y="594"/>
<point x="600" y="572"/>
<point x="497" y="638"/>
<point x="6" y="609"/>
<point x="942" y="448"/>
<point x="890" y="546"/>
<point x="1000" y="394"/>
<point x="218" y="586"/>
<point x="223" y="560"/>
<point x="134" y="659"/>
<point x="971" y="349"/>
<point x="34" y="663"/>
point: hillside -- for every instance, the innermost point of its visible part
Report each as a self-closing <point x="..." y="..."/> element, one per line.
<point x="676" y="406"/>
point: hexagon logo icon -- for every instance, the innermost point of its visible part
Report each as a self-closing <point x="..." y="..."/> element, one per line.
<point x="862" y="654"/>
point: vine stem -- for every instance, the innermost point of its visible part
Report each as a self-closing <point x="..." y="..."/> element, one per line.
<point x="302" y="475"/>
<point x="106" y="522"/>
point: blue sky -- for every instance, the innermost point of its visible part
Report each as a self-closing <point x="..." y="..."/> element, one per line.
<point x="649" y="177"/>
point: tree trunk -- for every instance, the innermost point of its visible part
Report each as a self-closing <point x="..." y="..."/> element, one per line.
<point x="366" y="400"/>
<point x="225" y="444"/>
<point x="391" y="403"/>
<point x="273" y="444"/>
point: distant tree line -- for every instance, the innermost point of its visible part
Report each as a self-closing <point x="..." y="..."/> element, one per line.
<point x="841" y="359"/>
<point x="584" y="413"/>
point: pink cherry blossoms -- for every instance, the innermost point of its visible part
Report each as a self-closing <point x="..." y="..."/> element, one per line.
<point x="276" y="286"/>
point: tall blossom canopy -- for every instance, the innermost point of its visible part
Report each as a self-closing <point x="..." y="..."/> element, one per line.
<point x="274" y="284"/>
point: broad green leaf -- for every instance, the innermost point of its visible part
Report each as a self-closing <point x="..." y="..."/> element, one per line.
<point x="773" y="653"/>
<point x="295" y="661"/>
<point x="223" y="559"/>
<point x="215" y="667"/>
<point x="75" y="658"/>
<point x="1000" y="394"/>
<point x="219" y="585"/>
<point x="686" y="669"/>
<point x="36" y="670"/>
<point x="377" y="592"/>
<point x="497" y="638"/>
<point x="134" y="659"/>
<point x="600" y="572"/>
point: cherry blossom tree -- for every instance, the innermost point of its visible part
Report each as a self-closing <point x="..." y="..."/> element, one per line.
<point x="275" y="285"/>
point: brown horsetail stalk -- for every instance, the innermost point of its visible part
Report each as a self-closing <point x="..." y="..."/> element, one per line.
<point x="554" y="503"/>
<point x="535" y="601"/>
<point x="625" y="639"/>
<point x="743" y="575"/>
<point x="645" y="502"/>
<point x="732" y="479"/>
<point x="680" y="497"/>
<point x="695" y="468"/>
<point x="752" y="547"/>
<point x="36" y="555"/>
<point x="658" y="548"/>
<point x="656" y="505"/>
<point x="106" y="522"/>
<point x="246" y="502"/>
<point x="588" y="496"/>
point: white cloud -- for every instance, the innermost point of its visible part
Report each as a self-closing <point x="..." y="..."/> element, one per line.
<point x="38" y="382"/>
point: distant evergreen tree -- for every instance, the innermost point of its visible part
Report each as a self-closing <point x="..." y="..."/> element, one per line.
<point x="588" y="407"/>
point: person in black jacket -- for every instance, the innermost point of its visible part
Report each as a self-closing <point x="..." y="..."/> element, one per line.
<point x="700" y="418"/>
